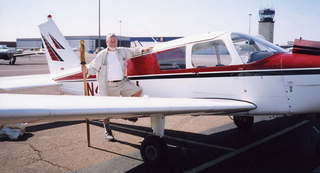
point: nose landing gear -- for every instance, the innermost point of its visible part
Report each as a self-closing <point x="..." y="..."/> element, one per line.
<point x="243" y="122"/>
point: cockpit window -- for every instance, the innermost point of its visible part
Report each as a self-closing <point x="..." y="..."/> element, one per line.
<point x="251" y="49"/>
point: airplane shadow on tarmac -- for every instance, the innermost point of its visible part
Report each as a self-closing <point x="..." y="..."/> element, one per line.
<point x="294" y="151"/>
<point x="122" y="142"/>
<point x="52" y="125"/>
<point x="25" y="137"/>
<point x="44" y="126"/>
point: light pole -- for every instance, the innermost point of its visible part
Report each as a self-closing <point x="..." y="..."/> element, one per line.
<point x="120" y="27"/>
<point x="99" y="39"/>
<point x="250" y="23"/>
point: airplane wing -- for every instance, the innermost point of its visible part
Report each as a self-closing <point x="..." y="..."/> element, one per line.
<point x="16" y="83"/>
<point x="27" y="107"/>
<point x="23" y="54"/>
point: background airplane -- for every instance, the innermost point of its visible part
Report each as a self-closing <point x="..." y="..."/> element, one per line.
<point x="11" y="54"/>
<point x="211" y="74"/>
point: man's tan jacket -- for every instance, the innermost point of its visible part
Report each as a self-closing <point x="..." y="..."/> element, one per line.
<point x="98" y="66"/>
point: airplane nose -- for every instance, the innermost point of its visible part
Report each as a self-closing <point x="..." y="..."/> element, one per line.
<point x="300" y="60"/>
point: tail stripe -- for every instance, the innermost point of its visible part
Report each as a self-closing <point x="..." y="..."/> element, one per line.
<point x="56" y="43"/>
<point x="53" y="54"/>
<point x="60" y="56"/>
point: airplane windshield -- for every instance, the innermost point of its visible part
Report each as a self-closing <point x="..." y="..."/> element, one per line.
<point x="251" y="49"/>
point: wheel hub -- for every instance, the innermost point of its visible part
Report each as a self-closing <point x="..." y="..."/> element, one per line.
<point x="151" y="152"/>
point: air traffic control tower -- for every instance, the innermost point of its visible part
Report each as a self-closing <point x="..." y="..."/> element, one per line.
<point x="266" y="23"/>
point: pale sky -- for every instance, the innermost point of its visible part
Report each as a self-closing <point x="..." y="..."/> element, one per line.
<point x="294" y="18"/>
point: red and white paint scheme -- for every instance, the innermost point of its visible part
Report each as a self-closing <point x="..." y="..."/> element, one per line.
<point x="210" y="74"/>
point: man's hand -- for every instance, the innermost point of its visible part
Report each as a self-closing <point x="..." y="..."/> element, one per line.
<point x="147" y="50"/>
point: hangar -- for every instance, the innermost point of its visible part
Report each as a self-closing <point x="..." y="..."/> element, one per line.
<point x="91" y="42"/>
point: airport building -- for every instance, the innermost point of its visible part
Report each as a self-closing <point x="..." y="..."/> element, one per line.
<point x="266" y="23"/>
<point x="8" y="43"/>
<point x="91" y="42"/>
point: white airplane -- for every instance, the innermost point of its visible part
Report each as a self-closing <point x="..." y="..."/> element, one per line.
<point x="212" y="74"/>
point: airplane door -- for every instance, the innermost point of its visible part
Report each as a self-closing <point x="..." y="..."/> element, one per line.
<point x="214" y="71"/>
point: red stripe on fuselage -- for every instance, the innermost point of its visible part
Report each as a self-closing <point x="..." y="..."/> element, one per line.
<point x="300" y="61"/>
<point x="77" y="76"/>
<point x="148" y="65"/>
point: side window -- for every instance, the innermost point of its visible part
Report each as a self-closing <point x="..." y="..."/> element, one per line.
<point x="172" y="59"/>
<point x="210" y="54"/>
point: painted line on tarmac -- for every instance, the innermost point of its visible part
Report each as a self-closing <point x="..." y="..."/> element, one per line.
<point x="178" y="139"/>
<point x="316" y="129"/>
<point x="200" y="143"/>
<point x="245" y="148"/>
<point x="174" y="138"/>
<point x="317" y="170"/>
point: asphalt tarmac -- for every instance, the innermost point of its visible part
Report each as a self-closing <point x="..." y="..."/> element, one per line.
<point x="196" y="144"/>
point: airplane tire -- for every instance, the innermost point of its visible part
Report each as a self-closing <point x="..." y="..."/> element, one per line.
<point x="154" y="150"/>
<point x="318" y="149"/>
<point x="243" y="122"/>
<point x="12" y="60"/>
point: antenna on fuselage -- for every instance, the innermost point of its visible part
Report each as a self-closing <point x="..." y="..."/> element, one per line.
<point x="146" y="29"/>
<point x="154" y="40"/>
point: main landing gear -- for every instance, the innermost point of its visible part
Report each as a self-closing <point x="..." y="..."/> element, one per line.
<point x="154" y="148"/>
<point x="12" y="60"/>
<point x="243" y="122"/>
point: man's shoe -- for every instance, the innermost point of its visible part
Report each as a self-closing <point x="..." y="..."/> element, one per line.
<point x="109" y="137"/>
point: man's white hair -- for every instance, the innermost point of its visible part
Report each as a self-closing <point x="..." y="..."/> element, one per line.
<point x="110" y="35"/>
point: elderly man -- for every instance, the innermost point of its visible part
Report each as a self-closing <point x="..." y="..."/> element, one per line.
<point x="110" y="66"/>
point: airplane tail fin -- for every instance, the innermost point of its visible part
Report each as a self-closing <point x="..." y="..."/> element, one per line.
<point x="59" y="54"/>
